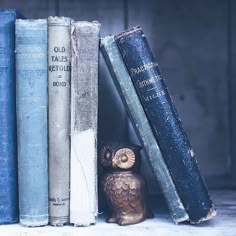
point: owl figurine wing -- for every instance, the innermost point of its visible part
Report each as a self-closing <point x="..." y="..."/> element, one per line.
<point x="126" y="195"/>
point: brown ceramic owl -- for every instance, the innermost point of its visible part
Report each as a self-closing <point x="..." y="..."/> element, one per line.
<point x="123" y="187"/>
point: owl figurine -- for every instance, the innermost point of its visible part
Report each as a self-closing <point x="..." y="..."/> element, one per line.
<point x="123" y="187"/>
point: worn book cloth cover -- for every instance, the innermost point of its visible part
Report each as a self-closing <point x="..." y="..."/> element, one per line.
<point x="84" y="107"/>
<point x="8" y="158"/>
<point x="32" y="99"/>
<point x="166" y="125"/>
<point x="59" y="118"/>
<point x="131" y="101"/>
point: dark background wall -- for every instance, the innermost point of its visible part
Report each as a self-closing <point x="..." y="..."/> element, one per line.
<point x="193" y="42"/>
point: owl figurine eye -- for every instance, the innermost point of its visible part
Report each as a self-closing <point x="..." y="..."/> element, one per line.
<point x="106" y="156"/>
<point x="124" y="159"/>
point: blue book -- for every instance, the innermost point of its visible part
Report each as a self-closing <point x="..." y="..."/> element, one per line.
<point x="167" y="128"/>
<point x="8" y="158"/>
<point x="32" y="104"/>
<point x="134" y="107"/>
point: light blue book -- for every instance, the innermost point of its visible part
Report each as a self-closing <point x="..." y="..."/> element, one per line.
<point x="131" y="101"/>
<point x="32" y="103"/>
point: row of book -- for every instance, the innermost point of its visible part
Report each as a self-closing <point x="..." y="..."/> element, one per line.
<point x="48" y="122"/>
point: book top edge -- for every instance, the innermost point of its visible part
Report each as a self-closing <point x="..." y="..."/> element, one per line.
<point x="86" y="23"/>
<point x="129" y="31"/>
<point x="59" y="20"/>
<point x="31" y="22"/>
<point x="8" y="11"/>
<point x="107" y="40"/>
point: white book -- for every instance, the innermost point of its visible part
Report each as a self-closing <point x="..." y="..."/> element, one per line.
<point x="84" y="113"/>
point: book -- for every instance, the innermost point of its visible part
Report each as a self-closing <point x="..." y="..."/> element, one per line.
<point x="131" y="101"/>
<point x="8" y="158"/>
<point x="59" y="118"/>
<point x="31" y="107"/>
<point x="84" y="108"/>
<point x="166" y="125"/>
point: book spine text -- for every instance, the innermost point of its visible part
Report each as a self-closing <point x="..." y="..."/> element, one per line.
<point x="59" y="118"/>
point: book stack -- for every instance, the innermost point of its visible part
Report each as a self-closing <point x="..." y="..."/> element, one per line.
<point x="48" y="122"/>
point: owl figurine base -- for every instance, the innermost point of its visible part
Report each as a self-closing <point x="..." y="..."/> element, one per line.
<point x="123" y="187"/>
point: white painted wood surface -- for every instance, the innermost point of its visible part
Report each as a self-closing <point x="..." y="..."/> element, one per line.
<point x="223" y="224"/>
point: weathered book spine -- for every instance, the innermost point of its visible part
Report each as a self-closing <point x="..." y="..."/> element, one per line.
<point x="84" y="108"/>
<point x="32" y="101"/>
<point x="166" y="125"/>
<point x="8" y="158"/>
<point x="131" y="101"/>
<point x="59" y="118"/>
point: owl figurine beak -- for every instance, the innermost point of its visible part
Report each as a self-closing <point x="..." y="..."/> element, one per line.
<point x="115" y="163"/>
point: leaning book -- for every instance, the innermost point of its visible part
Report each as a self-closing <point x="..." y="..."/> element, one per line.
<point x="165" y="123"/>
<point x="31" y="97"/>
<point x="131" y="101"/>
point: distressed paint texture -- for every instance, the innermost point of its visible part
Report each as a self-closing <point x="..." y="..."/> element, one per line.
<point x="84" y="110"/>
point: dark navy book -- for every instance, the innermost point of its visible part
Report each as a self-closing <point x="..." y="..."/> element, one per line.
<point x="167" y="128"/>
<point x="8" y="159"/>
